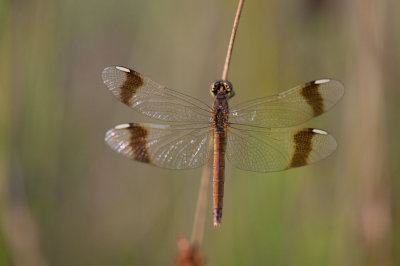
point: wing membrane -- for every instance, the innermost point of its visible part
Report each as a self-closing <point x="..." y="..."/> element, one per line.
<point x="289" y="108"/>
<point x="152" y="99"/>
<point x="161" y="145"/>
<point x="269" y="150"/>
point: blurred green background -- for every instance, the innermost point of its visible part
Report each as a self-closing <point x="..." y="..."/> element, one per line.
<point x="67" y="199"/>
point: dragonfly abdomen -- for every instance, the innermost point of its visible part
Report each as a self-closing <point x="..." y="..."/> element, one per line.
<point x="218" y="174"/>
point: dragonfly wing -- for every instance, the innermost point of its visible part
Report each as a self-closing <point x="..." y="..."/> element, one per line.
<point x="161" y="145"/>
<point x="291" y="107"/>
<point x="152" y="99"/>
<point x="276" y="149"/>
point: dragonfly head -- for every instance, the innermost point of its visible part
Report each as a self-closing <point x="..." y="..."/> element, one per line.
<point x="222" y="88"/>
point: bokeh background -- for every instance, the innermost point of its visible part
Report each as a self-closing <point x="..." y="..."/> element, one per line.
<point x="67" y="199"/>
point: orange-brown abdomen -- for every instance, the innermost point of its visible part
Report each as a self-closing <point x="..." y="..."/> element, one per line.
<point x="218" y="174"/>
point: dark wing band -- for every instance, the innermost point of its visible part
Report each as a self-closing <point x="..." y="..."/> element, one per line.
<point x="152" y="99"/>
<point x="276" y="149"/>
<point x="291" y="107"/>
<point x="161" y="145"/>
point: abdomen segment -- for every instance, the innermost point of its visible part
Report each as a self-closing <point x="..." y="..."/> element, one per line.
<point x="218" y="174"/>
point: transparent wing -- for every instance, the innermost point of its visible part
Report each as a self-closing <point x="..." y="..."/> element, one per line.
<point x="276" y="149"/>
<point x="152" y="99"/>
<point x="291" y="107"/>
<point x="161" y="145"/>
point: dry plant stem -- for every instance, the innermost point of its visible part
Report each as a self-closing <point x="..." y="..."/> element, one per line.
<point x="199" y="219"/>
<point x="200" y="216"/>
<point x="232" y="40"/>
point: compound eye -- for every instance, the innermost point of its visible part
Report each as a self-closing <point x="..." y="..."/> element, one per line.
<point x="227" y="87"/>
<point x="214" y="88"/>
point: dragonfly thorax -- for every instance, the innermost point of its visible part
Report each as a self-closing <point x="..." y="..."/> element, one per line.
<point x="220" y="112"/>
<point x="222" y="88"/>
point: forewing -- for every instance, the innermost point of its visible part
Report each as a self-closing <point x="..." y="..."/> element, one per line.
<point x="269" y="150"/>
<point x="152" y="99"/>
<point x="161" y="145"/>
<point x="291" y="107"/>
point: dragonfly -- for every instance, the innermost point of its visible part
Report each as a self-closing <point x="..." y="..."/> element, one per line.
<point x="256" y="135"/>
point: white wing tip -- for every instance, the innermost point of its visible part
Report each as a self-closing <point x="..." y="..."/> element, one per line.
<point x="123" y="69"/>
<point x="321" y="81"/>
<point x="128" y="125"/>
<point x="122" y="126"/>
<point x="319" y="131"/>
